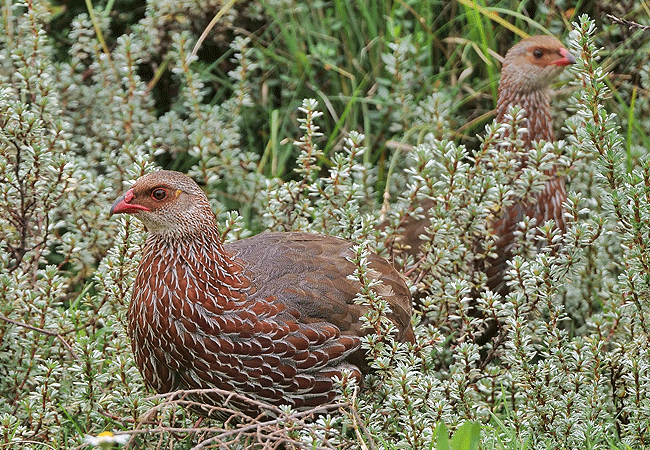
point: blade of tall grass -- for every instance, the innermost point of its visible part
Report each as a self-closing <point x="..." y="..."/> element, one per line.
<point x="491" y="13"/>
<point x="628" y="134"/>
<point x="483" y="29"/>
<point x="356" y="95"/>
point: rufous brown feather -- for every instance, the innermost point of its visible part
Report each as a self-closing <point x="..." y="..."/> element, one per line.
<point x="273" y="316"/>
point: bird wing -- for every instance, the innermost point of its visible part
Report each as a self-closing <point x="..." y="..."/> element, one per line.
<point x="310" y="273"/>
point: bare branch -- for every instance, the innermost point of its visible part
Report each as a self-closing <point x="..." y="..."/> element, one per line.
<point x="628" y="23"/>
<point x="40" y="330"/>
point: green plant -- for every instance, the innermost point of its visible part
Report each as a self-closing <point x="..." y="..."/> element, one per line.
<point x="93" y="98"/>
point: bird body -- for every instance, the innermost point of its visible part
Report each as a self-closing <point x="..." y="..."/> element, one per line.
<point x="272" y="316"/>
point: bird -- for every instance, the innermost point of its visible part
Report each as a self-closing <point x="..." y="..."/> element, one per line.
<point x="529" y="68"/>
<point x="272" y="317"/>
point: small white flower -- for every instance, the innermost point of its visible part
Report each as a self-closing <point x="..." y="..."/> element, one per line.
<point x="106" y="439"/>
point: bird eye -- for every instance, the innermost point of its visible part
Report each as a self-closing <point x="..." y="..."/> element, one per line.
<point x="159" y="194"/>
<point x="538" y="53"/>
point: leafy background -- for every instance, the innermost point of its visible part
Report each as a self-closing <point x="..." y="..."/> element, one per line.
<point x="94" y="95"/>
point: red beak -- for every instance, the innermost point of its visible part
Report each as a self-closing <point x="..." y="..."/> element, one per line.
<point x="122" y="205"/>
<point x="567" y="58"/>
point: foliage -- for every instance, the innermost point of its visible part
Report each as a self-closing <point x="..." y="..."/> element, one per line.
<point x="397" y="114"/>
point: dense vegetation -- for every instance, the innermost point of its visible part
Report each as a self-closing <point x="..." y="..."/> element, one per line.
<point x="327" y="117"/>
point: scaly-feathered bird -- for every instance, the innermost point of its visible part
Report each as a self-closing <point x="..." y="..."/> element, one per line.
<point x="528" y="70"/>
<point x="272" y="316"/>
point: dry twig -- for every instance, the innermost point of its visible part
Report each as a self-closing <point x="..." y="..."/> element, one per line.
<point x="628" y="23"/>
<point x="272" y="428"/>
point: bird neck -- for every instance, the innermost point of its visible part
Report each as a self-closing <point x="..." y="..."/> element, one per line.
<point x="195" y="269"/>
<point x="537" y="115"/>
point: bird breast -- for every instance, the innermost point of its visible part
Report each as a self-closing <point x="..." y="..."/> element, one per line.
<point x="538" y="120"/>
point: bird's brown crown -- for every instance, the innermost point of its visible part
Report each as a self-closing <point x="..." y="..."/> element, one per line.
<point x="168" y="203"/>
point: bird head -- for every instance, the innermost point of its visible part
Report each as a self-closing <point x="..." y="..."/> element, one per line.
<point x="167" y="203"/>
<point x="534" y="63"/>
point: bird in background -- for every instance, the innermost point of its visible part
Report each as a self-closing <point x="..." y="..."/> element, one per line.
<point x="528" y="70"/>
<point x="272" y="316"/>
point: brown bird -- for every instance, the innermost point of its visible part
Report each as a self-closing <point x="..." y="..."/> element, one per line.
<point x="272" y="316"/>
<point x="527" y="72"/>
